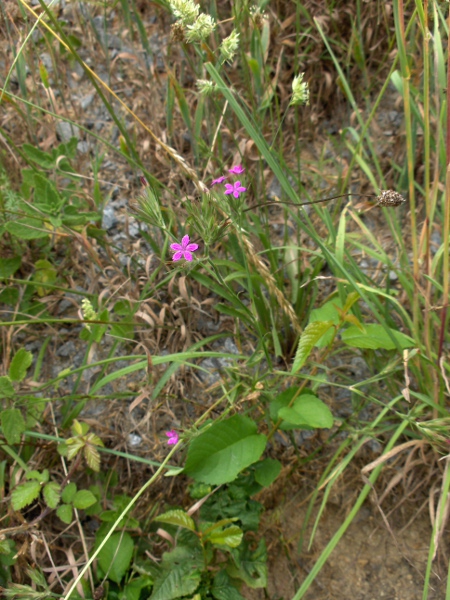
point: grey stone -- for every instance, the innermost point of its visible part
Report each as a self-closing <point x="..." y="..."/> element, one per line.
<point x="86" y="101"/>
<point x="83" y="147"/>
<point x="46" y="60"/>
<point x="67" y="349"/>
<point x="134" y="440"/>
<point x="66" y="131"/>
<point x="109" y="219"/>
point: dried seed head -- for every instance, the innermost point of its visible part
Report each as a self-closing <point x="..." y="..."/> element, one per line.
<point x="390" y="198"/>
<point x="178" y="32"/>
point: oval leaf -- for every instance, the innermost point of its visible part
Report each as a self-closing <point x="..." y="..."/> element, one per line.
<point x="231" y="537"/>
<point x="84" y="499"/>
<point x="115" y="556"/>
<point x="52" y="494"/>
<point x="309" y="338"/>
<point x="64" y="512"/>
<point x="13" y="425"/>
<point x="308" y="411"/>
<point x="178" y="518"/>
<point x="267" y="471"/>
<point x="220" y="453"/>
<point x="375" y="337"/>
<point x="19" y="364"/>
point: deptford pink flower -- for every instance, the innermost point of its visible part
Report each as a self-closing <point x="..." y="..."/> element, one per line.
<point x="220" y="179"/>
<point x="183" y="250"/>
<point x="235" y="188"/>
<point x="173" y="437"/>
<point x="237" y="170"/>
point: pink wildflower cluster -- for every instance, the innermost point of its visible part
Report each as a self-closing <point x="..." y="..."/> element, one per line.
<point x="231" y="188"/>
<point x="173" y="437"/>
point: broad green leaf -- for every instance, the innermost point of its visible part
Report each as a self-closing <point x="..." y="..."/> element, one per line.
<point x="19" y="364"/>
<point x="24" y="494"/>
<point x="221" y="452"/>
<point x="327" y="312"/>
<point x="13" y="425"/>
<point x="132" y="590"/>
<point x="267" y="471"/>
<point x="83" y="499"/>
<point x="375" y="337"/>
<point x="223" y="589"/>
<point x="27" y="228"/>
<point x="44" y="160"/>
<point x="177" y="517"/>
<point x="6" y="387"/>
<point x="69" y="492"/>
<point x="231" y="537"/>
<point x="309" y="338"/>
<point x="250" y="566"/>
<point x="52" y="494"/>
<point x="307" y="411"/>
<point x="8" y="266"/>
<point x="64" y="512"/>
<point x="179" y="576"/>
<point x="46" y="196"/>
<point x="115" y="556"/>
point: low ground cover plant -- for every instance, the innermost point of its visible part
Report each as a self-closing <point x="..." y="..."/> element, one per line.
<point x="194" y="309"/>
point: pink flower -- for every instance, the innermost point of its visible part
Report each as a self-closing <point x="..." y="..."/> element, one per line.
<point x="183" y="250"/>
<point x="220" y="179"/>
<point x="237" y="170"/>
<point x="173" y="437"/>
<point x="236" y="189"/>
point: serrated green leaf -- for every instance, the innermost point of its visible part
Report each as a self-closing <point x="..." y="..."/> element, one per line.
<point x="19" y="364"/>
<point x="115" y="556"/>
<point x="46" y="196"/>
<point x="231" y="537"/>
<point x="375" y="337"/>
<point x="24" y="494"/>
<point x="226" y="448"/>
<point x="69" y="492"/>
<point x="177" y="517"/>
<point x="267" y="471"/>
<point x="65" y="512"/>
<point x="83" y="499"/>
<point x="8" y="266"/>
<point x="92" y="456"/>
<point x="327" y="312"/>
<point x="250" y="566"/>
<point x="6" y="387"/>
<point x="41" y="158"/>
<point x="28" y="228"/>
<point x="179" y="576"/>
<point x="13" y="425"/>
<point x="41" y="476"/>
<point x="307" y="411"/>
<point x="52" y="494"/>
<point x="311" y="335"/>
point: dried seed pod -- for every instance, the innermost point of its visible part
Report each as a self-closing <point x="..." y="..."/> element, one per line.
<point x="390" y="198"/>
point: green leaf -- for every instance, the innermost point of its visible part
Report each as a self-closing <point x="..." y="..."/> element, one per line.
<point x="307" y="411"/>
<point x="177" y="517"/>
<point x="13" y="425"/>
<point x="24" y="494"/>
<point x="267" y="471"/>
<point x="223" y="589"/>
<point x="327" y="312"/>
<point x="28" y="228"/>
<point x="115" y="556"/>
<point x="231" y="537"/>
<point x="64" y="512"/>
<point x="8" y="266"/>
<point x="46" y="196"/>
<point x="132" y="591"/>
<point x="52" y="494"/>
<point x="40" y="476"/>
<point x="83" y="499"/>
<point x="45" y="273"/>
<point x="220" y="453"/>
<point x="6" y="387"/>
<point x="375" y="337"/>
<point x="69" y="492"/>
<point x="19" y="364"/>
<point x="250" y="566"/>
<point x="180" y="574"/>
<point x="44" y="160"/>
<point x="309" y="338"/>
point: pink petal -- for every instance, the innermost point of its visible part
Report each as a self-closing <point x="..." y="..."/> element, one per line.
<point x="229" y="188"/>
<point x="176" y="246"/>
<point x="192" y="247"/>
<point x="236" y="170"/>
<point x="178" y="255"/>
<point x="185" y="241"/>
<point x="187" y="255"/>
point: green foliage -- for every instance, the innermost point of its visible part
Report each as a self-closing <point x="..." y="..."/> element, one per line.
<point x="221" y="452"/>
